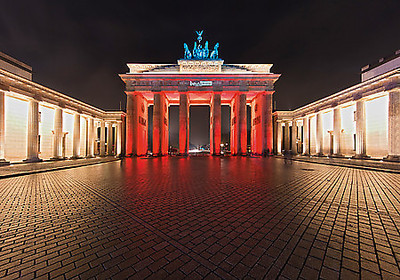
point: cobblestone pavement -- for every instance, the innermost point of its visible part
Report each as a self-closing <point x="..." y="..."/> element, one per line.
<point x="371" y="164"/>
<point x="16" y="169"/>
<point x="212" y="218"/>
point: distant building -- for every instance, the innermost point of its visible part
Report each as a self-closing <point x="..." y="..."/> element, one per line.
<point x="38" y="123"/>
<point x="361" y="121"/>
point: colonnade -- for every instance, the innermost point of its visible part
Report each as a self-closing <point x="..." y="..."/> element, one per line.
<point x="79" y="149"/>
<point x="299" y="133"/>
<point x="137" y="123"/>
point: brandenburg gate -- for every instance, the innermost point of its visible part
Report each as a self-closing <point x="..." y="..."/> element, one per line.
<point x="200" y="78"/>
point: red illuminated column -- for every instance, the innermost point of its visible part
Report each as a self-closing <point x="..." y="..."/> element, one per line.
<point x="102" y="138"/>
<point x="136" y="125"/>
<point x="183" y="123"/>
<point x="160" y="125"/>
<point x="129" y="124"/>
<point x="268" y="124"/>
<point x="2" y="127"/>
<point x="239" y="125"/>
<point x="215" y="124"/>
<point x="77" y="136"/>
<point x="58" y="133"/>
<point x="33" y="131"/>
<point x="262" y="124"/>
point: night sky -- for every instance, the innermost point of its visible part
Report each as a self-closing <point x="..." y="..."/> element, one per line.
<point x="79" y="47"/>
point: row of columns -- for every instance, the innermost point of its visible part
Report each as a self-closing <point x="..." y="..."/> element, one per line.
<point x="136" y="129"/>
<point x="360" y="129"/>
<point x="33" y="134"/>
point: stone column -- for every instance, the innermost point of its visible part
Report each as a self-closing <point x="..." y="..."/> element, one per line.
<point x="87" y="132"/>
<point x="337" y="128"/>
<point x="129" y="124"/>
<point x="306" y="136"/>
<point x="91" y="137"/>
<point x="58" y="133"/>
<point x="268" y="124"/>
<point x="215" y="124"/>
<point x="279" y="137"/>
<point x="33" y="132"/>
<point x="76" y="145"/>
<point x="2" y="128"/>
<point x="160" y="125"/>
<point x="109" y="139"/>
<point x="394" y="125"/>
<point x="360" y="129"/>
<point x="319" y="134"/>
<point x="294" y="137"/>
<point x="102" y="138"/>
<point x="287" y="137"/>
<point x="118" y="132"/>
<point x="183" y="123"/>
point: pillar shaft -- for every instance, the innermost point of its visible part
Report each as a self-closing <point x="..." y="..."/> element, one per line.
<point x="239" y="125"/>
<point x="319" y="134"/>
<point x="215" y="124"/>
<point x="129" y="125"/>
<point x="33" y="131"/>
<point x="360" y="129"/>
<point x="294" y="137"/>
<point x="91" y="137"/>
<point x="136" y="125"/>
<point x="306" y="136"/>
<point x="160" y="125"/>
<point x="77" y="136"/>
<point x="110" y="139"/>
<point x="337" y="127"/>
<point x="183" y="123"/>
<point x="58" y="133"/>
<point x="394" y="124"/>
<point x="102" y="138"/>
<point x="279" y="138"/>
<point x="268" y="124"/>
<point x="2" y="126"/>
<point x="119" y="136"/>
<point x="261" y="124"/>
<point x="287" y="137"/>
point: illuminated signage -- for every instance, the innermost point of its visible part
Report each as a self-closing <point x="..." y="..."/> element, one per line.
<point x="201" y="84"/>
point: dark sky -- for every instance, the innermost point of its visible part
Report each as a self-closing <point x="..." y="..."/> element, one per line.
<point x="79" y="47"/>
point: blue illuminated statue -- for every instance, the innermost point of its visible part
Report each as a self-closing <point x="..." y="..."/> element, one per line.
<point x="199" y="52"/>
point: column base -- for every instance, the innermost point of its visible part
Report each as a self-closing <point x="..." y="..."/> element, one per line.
<point x="319" y="155"/>
<point x="90" y="157"/>
<point x="76" y="157"/>
<point x="57" y="158"/>
<point x="35" y="159"/>
<point x="337" y="156"/>
<point x="3" y="162"/>
<point x="394" y="158"/>
<point x="361" y="157"/>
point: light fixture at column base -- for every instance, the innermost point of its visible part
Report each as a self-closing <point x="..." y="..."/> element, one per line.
<point x="4" y="162"/>
<point x="394" y="158"/>
<point x="34" y="159"/>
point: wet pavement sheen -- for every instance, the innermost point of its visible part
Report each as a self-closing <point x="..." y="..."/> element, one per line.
<point x="201" y="217"/>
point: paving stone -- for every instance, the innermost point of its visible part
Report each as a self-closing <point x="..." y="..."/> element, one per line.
<point x="201" y="218"/>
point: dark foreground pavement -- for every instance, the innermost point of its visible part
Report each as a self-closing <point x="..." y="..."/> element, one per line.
<point x="212" y="218"/>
